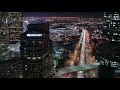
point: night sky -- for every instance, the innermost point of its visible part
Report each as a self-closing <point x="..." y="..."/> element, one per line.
<point x="48" y="14"/>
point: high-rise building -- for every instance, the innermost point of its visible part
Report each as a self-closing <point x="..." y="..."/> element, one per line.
<point x="108" y="52"/>
<point x="36" y="51"/>
<point x="10" y="30"/>
<point x="14" y="24"/>
<point x="10" y="25"/>
<point x="4" y="36"/>
<point x="111" y="27"/>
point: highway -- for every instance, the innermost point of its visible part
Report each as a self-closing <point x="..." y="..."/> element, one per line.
<point x="82" y="44"/>
<point x="80" y="74"/>
<point x="74" y="57"/>
<point x="81" y="59"/>
<point x="82" y="55"/>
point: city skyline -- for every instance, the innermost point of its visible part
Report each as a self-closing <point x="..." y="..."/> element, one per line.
<point x="70" y="35"/>
<point x="59" y="44"/>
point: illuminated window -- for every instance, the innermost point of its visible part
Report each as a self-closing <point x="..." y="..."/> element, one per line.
<point x="109" y="16"/>
<point x="113" y="39"/>
<point x="33" y="35"/>
<point x="39" y="57"/>
<point x="33" y="58"/>
<point x="28" y="57"/>
<point x="25" y="68"/>
<point x="114" y="64"/>
<point x="40" y="42"/>
<point x="101" y="62"/>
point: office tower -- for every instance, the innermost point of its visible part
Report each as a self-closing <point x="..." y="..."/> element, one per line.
<point x="10" y="30"/>
<point x="4" y="36"/>
<point x="10" y="23"/>
<point x="36" y="51"/>
<point x="108" y="53"/>
<point x="14" y="24"/>
<point x="111" y="26"/>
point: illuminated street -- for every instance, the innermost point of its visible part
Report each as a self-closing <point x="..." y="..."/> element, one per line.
<point x="81" y="56"/>
<point x="74" y="57"/>
<point x="80" y="74"/>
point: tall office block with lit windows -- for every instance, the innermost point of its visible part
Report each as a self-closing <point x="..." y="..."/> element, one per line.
<point x="10" y="30"/>
<point x="4" y="36"/>
<point x="112" y="26"/>
<point x="14" y="23"/>
<point x="36" y="51"/>
<point x="108" y="52"/>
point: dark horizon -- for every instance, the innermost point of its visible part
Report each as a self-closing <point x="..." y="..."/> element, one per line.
<point x="62" y="14"/>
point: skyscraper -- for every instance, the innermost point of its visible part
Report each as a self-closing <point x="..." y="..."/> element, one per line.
<point x="14" y="23"/>
<point x="4" y="36"/>
<point x="36" y="51"/>
<point x="10" y="30"/>
<point x="111" y="27"/>
<point x="108" y="52"/>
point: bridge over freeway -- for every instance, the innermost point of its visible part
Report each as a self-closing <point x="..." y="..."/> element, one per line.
<point x="77" y="68"/>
